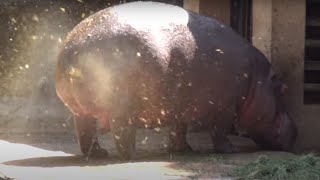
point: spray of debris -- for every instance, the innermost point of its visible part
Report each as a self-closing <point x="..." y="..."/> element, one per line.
<point x="32" y="37"/>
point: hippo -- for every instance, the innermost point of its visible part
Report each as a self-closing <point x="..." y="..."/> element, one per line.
<point x="153" y="65"/>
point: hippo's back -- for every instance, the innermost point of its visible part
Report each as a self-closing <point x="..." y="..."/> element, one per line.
<point x="204" y="56"/>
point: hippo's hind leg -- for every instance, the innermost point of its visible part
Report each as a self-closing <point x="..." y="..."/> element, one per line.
<point x="178" y="137"/>
<point x="124" y="136"/>
<point x="87" y="138"/>
<point x="222" y="125"/>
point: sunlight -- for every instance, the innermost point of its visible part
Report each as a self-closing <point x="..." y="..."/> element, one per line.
<point x="14" y="151"/>
<point x="75" y="167"/>
<point x="139" y="170"/>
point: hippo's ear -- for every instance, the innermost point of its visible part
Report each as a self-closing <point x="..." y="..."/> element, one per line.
<point x="284" y="89"/>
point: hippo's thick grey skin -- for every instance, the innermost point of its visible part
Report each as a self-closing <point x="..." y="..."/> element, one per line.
<point x="147" y="64"/>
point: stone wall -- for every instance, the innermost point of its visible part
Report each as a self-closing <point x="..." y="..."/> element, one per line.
<point x="219" y="9"/>
<point x="279" y="32"/>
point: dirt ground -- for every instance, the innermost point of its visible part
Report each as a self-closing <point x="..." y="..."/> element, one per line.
<point x="57" y="156"/>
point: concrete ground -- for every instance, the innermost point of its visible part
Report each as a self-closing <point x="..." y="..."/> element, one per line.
<point x="57" y="156"/>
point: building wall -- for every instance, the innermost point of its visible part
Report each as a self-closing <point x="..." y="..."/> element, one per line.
<point x="279" y="32"/>
<point x="261" y="26"/>
<point x="216" y="8"/>
<point x="219" y="9"/>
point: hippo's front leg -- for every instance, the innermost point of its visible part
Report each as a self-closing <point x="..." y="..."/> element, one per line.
<point x="124" y="136"/>
<point x="178" y="137"/>
<point x="219" y="130"/>
<point x="87" y="137"/>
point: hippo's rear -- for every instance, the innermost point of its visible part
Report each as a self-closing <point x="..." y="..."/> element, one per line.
<point x="147" y="64"/>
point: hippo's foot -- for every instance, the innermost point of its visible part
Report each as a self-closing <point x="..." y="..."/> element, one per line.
<point x="179" y="147"/>
<point x="96" y="152"/>
<point x="87" y="138"/>
<point x="221" y="144"/>
<point x="124" y="137"/>
<point x="178" y="142"/>
<point x="222" y="126"/>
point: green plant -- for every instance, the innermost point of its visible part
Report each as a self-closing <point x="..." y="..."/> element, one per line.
<point x="301" y="167"/>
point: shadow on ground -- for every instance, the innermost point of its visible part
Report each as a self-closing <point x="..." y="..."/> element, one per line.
<point x="58" y="157"/>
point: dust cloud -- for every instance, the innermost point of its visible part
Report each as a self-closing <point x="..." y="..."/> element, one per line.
<point x="32" y="35"/>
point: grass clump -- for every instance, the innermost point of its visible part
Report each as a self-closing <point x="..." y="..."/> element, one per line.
<point x="215" y="158"/>
<point x="306" y="167"/>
